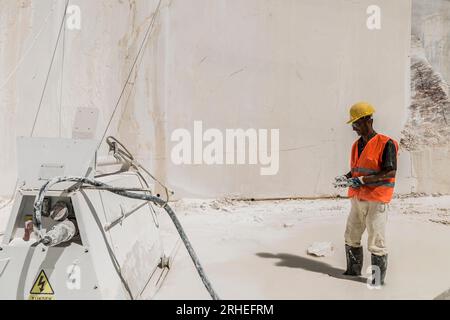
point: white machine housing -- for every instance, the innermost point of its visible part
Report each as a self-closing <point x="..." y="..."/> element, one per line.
<point x="118" y="253"/>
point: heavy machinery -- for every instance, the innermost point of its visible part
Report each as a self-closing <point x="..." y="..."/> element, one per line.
<point x="82" y="227"/>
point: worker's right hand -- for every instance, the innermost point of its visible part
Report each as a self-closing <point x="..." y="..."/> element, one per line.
<point x="340" y="182"/>
<point x="346" y="183"/>
<point x="342" y="178"/>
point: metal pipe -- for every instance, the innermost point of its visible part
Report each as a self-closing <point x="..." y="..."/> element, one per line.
<point x="108" y="161"/>
<point x="112" y="224"/>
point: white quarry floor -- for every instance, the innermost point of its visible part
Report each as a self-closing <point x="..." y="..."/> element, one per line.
<point x="257" y="250"/>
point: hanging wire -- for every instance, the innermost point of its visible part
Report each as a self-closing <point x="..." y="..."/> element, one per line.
<point x="50" y="68"/>
<point x="27" y="52"/>
<point x="141" y="50"/>
<point x="62" y="81"/>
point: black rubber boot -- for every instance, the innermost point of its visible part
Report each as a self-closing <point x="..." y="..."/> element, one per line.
<point x="354" y="260"/>
<point x="380" y="262"/>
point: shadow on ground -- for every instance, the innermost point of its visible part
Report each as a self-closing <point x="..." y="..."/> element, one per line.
<point x="293" y="261"/>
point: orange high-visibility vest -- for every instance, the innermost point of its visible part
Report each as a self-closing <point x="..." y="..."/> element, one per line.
<point x="367" y="164"/>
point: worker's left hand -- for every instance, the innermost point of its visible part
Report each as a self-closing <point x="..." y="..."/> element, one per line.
<point x="355" y="182"/>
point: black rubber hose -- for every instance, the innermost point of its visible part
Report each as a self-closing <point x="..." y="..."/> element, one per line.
<point x="37" y="216"/>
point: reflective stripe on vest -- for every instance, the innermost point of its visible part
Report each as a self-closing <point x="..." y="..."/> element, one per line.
<point x="365" y="170"/>
<point x="377" y="184"/>
<point x="381" y="183"/>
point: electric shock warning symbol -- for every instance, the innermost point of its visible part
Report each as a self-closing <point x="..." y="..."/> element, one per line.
<point x="42" y="289"/>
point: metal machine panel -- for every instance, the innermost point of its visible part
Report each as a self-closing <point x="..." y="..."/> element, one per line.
<point x="91" y="219"/>
<point x="68" y="273"/>
<point x="116" y="250"/>
<point x="85" y="125"/>
<point x="135" y="239"/>
<point x="40" y="159"/>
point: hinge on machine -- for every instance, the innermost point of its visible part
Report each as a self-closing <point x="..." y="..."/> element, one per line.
<point x="164" y="262"/>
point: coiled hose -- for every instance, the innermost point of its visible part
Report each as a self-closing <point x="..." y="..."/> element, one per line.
<point x="38" y="203"/>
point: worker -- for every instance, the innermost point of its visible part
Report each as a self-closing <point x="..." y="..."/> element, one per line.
<point x="371" y="184"/>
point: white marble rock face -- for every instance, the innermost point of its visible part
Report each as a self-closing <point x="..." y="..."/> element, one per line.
<point x="295" y="66"/>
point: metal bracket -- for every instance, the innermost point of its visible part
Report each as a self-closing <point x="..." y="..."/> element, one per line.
<point x="85" y="125"/>
<point x="123" y="216"/>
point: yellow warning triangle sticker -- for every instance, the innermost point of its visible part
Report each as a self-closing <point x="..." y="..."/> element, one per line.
<point x="42" y="285"/>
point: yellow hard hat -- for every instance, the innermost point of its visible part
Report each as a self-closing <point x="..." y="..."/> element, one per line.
<point x="360" y="110"/>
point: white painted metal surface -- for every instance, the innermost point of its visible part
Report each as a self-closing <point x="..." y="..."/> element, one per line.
<point x="118" y="251"/>
<point x="85" y="125"/>
<point x="42" y="158"/>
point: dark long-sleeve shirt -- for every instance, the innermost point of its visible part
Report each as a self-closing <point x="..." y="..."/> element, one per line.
<point x="389" y="158"/>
